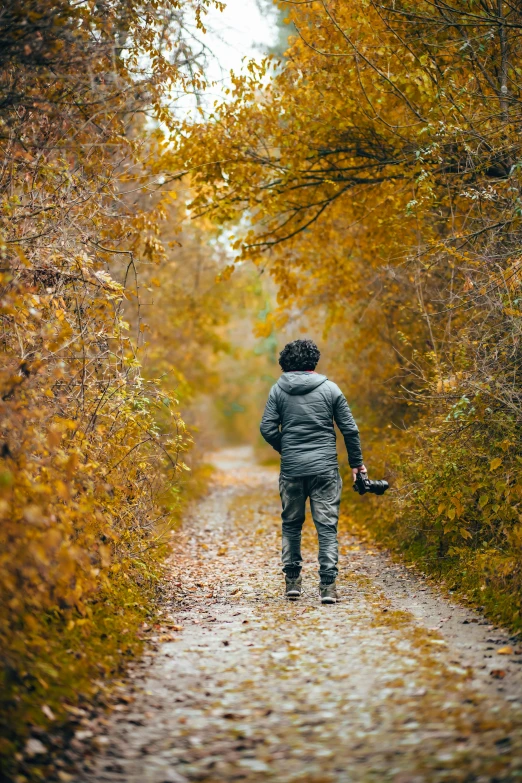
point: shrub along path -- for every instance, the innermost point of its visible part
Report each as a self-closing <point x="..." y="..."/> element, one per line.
<point x="395" y="683"/>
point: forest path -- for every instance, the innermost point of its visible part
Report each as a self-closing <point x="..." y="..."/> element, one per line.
<point x="393" y="683"/>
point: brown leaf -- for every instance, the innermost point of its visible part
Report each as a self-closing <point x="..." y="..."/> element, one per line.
<point x="167" y="637"/>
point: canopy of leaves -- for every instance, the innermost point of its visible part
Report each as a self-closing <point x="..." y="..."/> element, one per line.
<point x="379" y="165"/>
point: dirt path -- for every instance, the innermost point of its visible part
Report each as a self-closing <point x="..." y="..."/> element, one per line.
<point x="392" y="684"/>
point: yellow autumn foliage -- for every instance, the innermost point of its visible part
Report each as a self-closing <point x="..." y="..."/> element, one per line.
<point x="374" y="173"/>
<point x="90" y="448"/>
<point x="379" y="167"/>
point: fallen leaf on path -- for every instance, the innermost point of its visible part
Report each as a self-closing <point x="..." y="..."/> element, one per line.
<point x="33" y="747"/>
<point x="47" y="711"/>
<point x="499" y="674"/>
<point x="507" y="650"/>
<point x="171" y="776"/>
<point x="83" y="735"/>
<point x="77" y="711"/>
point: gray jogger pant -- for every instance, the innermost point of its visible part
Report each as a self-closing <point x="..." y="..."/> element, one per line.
<point x="324" y="491"/>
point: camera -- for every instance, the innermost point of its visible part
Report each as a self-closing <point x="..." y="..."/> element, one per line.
<point x="363" y="485"/>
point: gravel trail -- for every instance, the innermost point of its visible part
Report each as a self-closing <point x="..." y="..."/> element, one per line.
<point x="394" y="683"/>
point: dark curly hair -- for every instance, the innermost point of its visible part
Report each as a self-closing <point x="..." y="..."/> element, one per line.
<point x="299" y="355"/>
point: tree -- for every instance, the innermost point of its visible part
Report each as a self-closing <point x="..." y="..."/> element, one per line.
<point x="88" y="475"/>
<point x="379" y="169"/>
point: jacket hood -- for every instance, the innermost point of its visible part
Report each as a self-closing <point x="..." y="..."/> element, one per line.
<point x="300" y="382"/>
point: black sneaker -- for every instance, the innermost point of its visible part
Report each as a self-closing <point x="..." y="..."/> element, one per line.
<point x="328" y="593"/>
<point x="293" y="587"/>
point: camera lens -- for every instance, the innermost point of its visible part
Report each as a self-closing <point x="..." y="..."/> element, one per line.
<point x="378" y="487"/>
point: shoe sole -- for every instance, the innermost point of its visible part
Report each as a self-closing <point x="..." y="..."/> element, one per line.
<point x="328" y="600"/>
<point x="293" y="594"/>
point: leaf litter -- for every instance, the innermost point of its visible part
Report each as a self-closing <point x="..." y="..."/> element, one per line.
<point x="251" y="687"/>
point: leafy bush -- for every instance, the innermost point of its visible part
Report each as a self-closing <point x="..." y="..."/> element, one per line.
<point x="456" y="503"/>
<point x="90" y="452"/>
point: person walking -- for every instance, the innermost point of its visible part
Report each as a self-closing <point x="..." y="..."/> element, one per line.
<point x="298" y="422"/>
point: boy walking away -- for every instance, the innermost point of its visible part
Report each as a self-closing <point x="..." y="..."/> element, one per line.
<point x="298" y="422"/>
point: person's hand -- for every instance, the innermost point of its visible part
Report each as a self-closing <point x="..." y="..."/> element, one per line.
<point x="355" y="471"/>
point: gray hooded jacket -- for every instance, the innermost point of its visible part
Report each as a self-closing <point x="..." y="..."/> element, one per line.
<point x="298" y="423"/>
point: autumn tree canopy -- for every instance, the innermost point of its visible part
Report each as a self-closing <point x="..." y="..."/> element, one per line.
<point x="378" y="165"/>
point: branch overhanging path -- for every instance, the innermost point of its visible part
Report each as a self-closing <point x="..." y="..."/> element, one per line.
<point x="394" y="683"/>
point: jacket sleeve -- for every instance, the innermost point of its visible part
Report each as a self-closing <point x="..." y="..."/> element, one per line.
<point x="344" y="419"/>
<point x="270" y="423"/>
